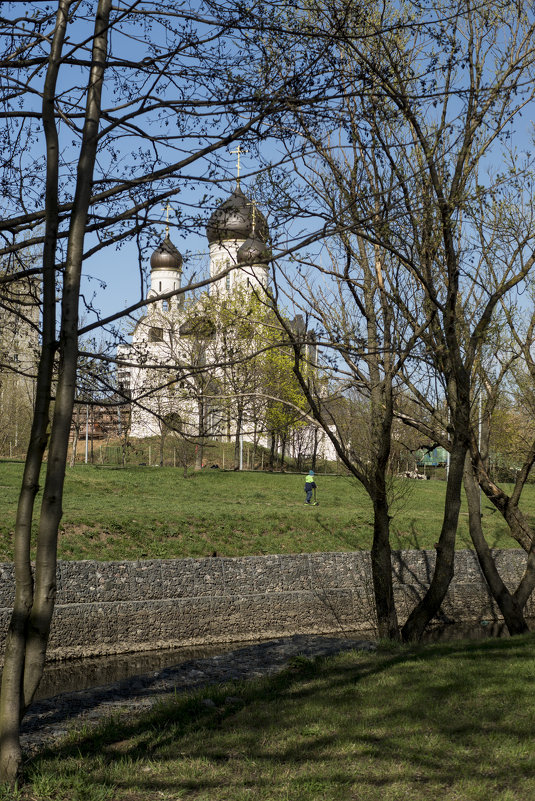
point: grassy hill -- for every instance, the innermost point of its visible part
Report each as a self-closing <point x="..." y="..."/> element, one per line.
<point x="149" y="512"/>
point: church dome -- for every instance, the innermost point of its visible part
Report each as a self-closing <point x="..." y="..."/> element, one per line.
<point x="233" y="219"/>
<point x="166" y="256"/>
<point x="253" y="251"/>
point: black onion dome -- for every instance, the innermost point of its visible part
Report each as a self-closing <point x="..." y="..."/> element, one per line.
<point x="253" y="251"/>
<point x="166" y="256"/>
<point x="233" y="219"/>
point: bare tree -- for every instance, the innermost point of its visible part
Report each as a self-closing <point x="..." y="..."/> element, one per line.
<point x="356" y="322"/>
<point x="501" y="248"/>
<point x="107" y="111"/>
<point x="427" y="105"/>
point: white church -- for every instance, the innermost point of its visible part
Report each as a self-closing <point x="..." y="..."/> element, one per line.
<point x="176" y="371"/>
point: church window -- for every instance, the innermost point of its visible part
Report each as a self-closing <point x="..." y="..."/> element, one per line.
<point x="227" y="283"/>
<point x="165" y="305"/>
<point x="160" y="287"/>
<point x="155" y="334"/>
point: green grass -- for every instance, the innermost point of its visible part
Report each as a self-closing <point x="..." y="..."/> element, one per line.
<point x="147" y="512"/>
<point x="452" y="722"/>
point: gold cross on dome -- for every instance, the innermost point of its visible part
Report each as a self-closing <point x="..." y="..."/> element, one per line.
<point x="253" y="206"/>
<point x="238" y="151"/>
<point x="168" y="210"/>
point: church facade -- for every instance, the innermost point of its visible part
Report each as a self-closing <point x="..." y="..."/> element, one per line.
<point x="170" y="368"/>
<point x="187" y="369"/>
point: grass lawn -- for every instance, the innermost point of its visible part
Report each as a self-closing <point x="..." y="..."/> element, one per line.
<point x="452" y="722"/>
<point x="148" y="512"/>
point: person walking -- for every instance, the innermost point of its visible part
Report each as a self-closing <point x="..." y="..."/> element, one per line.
<point x="310" y="485"/>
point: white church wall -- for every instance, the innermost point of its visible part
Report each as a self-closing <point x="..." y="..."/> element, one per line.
<point x="159" y="351"/>
<point x="223" y="255"/>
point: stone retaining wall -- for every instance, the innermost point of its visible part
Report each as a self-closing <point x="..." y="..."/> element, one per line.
<point x="113" y="607"/>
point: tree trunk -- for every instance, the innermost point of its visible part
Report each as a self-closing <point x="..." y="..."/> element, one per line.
<point x="255" y="444"/>
<point x="11" y="704"/>
<point x="381" y="559"/>
<point x="75" y="437"/>
<point x="429" y="605"/>
<point x="237" y="440"/>
<point x="162" y="445"/>
<point x="518" y="523"/>
<point x="124" y="447"/>
<point x="92" y="424"/>
<point x="272" y="447"/>
<point x="508" y="604"/>
<point x="51" y="507"/>
<point x="199" y="450"/>
<point x="283" y="451"/>
<point x="30" y="626"/>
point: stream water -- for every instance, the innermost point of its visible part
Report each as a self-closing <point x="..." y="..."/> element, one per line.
<point x="70" y="675"/>
<point x="82" y="674"/>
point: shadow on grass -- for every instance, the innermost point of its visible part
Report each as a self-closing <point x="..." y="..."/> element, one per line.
<point x="448" y="721"/>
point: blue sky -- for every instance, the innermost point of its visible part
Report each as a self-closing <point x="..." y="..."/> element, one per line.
<point x="118" y="267"/>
